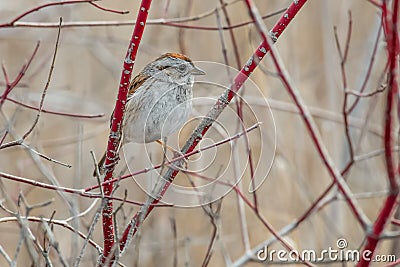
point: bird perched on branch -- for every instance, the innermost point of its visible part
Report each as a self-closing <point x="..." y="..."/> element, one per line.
<point x="159" y="100"/>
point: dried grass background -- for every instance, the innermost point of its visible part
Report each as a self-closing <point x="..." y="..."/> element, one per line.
<point x="85" y="81"/>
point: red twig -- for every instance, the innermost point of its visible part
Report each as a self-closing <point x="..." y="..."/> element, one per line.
<point x="395" y="263"/>
<point x="165" y="11"/>
<point x="109" y="10"/>
<point x="343" y="59"/>
<point x="390" y="202"/>
<point x="80" y="192"/>
<point x="227" y="184"/>
<point x="83" y="116"/>
<point x="115" y="132"/>
<point x="26" y="13"/>
<point x="215" y="111"/>
<point x="11" y="85"/>
<point x="193" y="152"/>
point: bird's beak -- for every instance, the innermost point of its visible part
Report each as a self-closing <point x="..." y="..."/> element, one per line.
<point x="197" y="71"/>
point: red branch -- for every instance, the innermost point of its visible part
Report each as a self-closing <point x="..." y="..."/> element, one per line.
<point x="26" y="13"/>
<point x="115" y="132"/>
<point x="215" y="111"/>
<point x="390" y="202"/>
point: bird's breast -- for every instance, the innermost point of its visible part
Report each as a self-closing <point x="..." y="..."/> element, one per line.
<point x="157" y="111"/>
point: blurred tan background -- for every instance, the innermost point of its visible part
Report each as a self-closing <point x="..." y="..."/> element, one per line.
<point x="85" y="81"/>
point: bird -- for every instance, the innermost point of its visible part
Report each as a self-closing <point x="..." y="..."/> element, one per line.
<point x="159" y="100"/>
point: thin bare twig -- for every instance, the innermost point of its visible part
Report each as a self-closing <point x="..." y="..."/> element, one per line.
<point x="177" y="159"/>
<point x="14" y="21"/>
<point x="369" y="70"/>
<point x="47" y="83"/>
<point x="392" y="169"/>
<point x="83" y="116"/>
<point x="175" y="22"/>
<point x="109" y="10"/>
<point x="97" y="172"/>
<point x="359" y="95"/>
<point x="214" y="215"/>
<point x="115" y="131"/>
<point x="307" y="118"/>
<point x="80" y="192"/>
<point x="11" y="85"/>
<point x="21" y="141"/>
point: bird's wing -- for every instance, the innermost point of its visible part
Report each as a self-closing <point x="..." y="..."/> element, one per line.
<point x="137" y="82"/>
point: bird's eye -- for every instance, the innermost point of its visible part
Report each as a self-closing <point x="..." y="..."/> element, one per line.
<point x="182" y="67"/>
